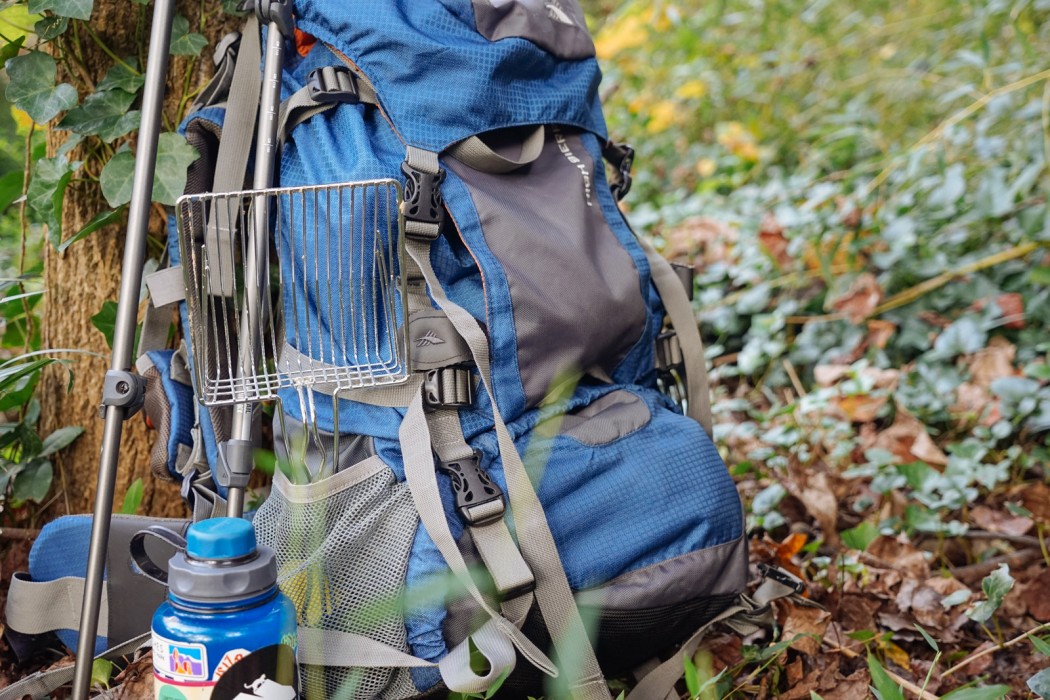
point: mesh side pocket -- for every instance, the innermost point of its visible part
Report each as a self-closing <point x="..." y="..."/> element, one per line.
<point x="342" y="549"/>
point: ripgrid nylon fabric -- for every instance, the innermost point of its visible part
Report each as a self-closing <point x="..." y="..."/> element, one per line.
<point x="552" y="588"/>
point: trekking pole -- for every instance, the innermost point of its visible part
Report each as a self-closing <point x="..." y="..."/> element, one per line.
<point x="123" y="391"/>
<point x="235" y="456"/>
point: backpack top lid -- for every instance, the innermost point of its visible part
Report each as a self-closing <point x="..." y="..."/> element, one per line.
<point x="449" y="69"/>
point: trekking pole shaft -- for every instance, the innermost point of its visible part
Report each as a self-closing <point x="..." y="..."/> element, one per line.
<point x="256" y="265"/>
<point x="124" y="334"/>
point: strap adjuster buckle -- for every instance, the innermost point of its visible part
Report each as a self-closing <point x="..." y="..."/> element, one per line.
<point x="783" y="577"/>
<point x="448" y="387"/>
<point x="423" y="203"/>
<point x="333" y="85"/>
<point x="479" y="499"/>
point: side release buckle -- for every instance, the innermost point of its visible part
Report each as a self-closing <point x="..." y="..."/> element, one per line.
<point x="479" y="499"/>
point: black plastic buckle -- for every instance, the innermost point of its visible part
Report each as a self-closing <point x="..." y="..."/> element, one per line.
<point x="783" y="577"/>
<point x="622" y="157"/>
<point x="423" y="202"/>
<point x="473" y="489"/>
<point x="278" y="12"/>
<point x="333" y="84"/>
<point x="448" y="387"/>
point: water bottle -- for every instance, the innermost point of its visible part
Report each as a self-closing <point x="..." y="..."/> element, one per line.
<point x="225" y="632"/>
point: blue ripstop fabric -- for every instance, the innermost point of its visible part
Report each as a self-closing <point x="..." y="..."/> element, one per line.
<point x="181" y="398"/>
<point x="61" y="550"/>
<point x="441" y="81"/>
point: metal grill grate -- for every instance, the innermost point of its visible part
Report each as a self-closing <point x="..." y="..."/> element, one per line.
<point x="315" y="302"/>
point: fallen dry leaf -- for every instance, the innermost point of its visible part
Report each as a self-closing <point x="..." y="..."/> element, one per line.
<point x="993" y="362"/>
<point x="860" y="300"/>
<point x="136" y="681"/>
<point x="771" y="236"/>
<point x="1000" y="522"/>
<point x="805" y="626"/>
<point x="908" y="440"/>
<point x="700" y="241"/>
<point x="817" y="493"/>
<point x="902" y="555"/>
<point x="861" y="408"/>
<point x="850" y="688"/>
<point x="970" y="399"/>
<point x="1037" y="597"/>
<point x="1036" y="498"/>
<point x="880" y="332"/>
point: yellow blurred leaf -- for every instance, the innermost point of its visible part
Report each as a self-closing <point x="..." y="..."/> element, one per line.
<point x="22" y="121"/>
<point x="662" y="116"/>
<point x="691" y="89"/>
<point x="626" y="32"/>
<point x="15" y="21"/>
<point x="895" y="654"/>
<point x="705" y="167"/>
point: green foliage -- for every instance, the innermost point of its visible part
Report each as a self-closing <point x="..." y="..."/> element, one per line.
<point x="133" y="498"/>
<point x="995" y="586"/>
<point x="33" y="89"/>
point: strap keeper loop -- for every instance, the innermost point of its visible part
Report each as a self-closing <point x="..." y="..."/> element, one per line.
<point x="333" y="84"/>
<point x="448" y="387"/>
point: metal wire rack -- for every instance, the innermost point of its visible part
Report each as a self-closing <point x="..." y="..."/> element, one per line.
<point x="294" y="288"/>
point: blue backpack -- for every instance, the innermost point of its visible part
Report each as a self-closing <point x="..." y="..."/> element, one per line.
<point x="539" y="502"/>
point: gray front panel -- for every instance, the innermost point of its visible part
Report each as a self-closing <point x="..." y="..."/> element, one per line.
<point x="557" y="26"/>
<point x="575" y="290"/>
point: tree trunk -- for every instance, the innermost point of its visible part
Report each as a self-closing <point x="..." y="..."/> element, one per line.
<point x="80" y="280"/>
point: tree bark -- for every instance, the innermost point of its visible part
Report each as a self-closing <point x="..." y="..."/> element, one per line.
<point x="80" y="280"/>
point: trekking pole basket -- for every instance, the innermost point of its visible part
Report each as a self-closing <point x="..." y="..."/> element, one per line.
<point x="259" y="264"/>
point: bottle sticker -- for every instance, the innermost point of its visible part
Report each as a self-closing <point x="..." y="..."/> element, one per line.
<point x="166" y="689"/>
<point x="267" y="674"/>
<point x="178" y="661"/>
<point x="229" y="659"/>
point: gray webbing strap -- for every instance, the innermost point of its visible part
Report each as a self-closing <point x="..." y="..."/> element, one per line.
<point x="537" y="543"/>
<point x="43" y="683"/>
<point x="231" y="163"/>
<point x="345" y="649"/>
<point x="318" y="647"/>
<point x="35" y="607"/>
<point x="301" y="106"/>
<point x="748" y="615"/>
<point x="475" y="153"/>
<point x="493" y="540"/>
<point x="421" y="476"/>
<point x="680" y="311"/>
<point x="166" y="290"/>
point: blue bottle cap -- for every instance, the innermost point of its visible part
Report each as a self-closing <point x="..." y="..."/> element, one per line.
<point x="220" y="538"/>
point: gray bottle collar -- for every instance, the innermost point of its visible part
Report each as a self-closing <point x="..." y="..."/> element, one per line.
<point x="212" y="582"/>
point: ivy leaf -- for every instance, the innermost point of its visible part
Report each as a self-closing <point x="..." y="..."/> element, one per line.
<point x="860" y="537"/>
<point x="106" y="320"/>
<point x="101" y="219"/>
<point x="995" y="586"/>
<point x="123" y="126"/>
<point x="115" y="178"/>
<point x="174" y="156"/>
<point x="77" y="9"/>
<point x="1040" y="683"/>
<point x="123" y="76"/>
<point x="47" y="190"/>
<point x="183" y="41"/>
<point x="32" y="87"/>
<point x="33" y="482"/>
<point x="60" y="439"/>
<point x="991" y="692"/>
<point x="11" y="49"/>
<point x="50" y="27"/>
<point x="10" y="188"/>
<point x="99" y="111"/>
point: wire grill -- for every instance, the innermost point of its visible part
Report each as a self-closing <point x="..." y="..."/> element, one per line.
<point x="314" y="302"/>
